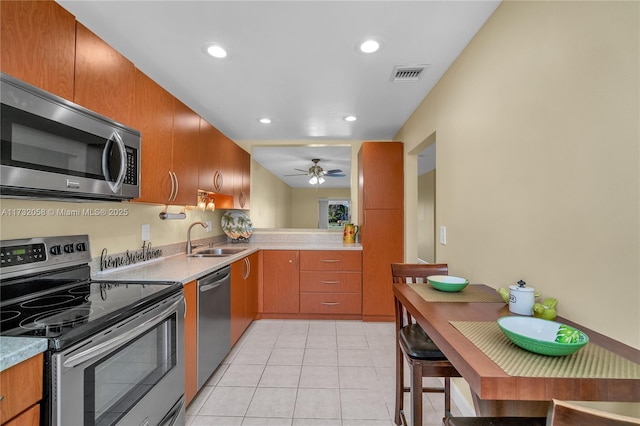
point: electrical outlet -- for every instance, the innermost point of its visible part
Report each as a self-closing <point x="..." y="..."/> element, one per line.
<point x="208" y="226"/>
<point x="146" y="233"/>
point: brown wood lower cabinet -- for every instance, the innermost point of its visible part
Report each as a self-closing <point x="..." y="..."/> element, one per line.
<point x="312" y="284"/>
<point x="244" y="294"/>
<point x="190" y="341"/>
<point x="21" y="390"/>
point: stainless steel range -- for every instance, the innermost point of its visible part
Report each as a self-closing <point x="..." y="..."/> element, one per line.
<point x="115" y="352"/>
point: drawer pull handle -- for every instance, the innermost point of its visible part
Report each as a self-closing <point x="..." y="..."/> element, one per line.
<point x="1" y="397"/>
<point x="330" y="282"/>
<point x="330" y="260"/>
<point x="330" y="303"/>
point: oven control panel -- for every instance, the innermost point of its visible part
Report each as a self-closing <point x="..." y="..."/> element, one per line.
<point x="19" y="255"/>
<point x="42" y="254"/>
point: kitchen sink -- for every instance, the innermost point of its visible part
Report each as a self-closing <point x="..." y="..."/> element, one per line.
<point x="216" y="252"/>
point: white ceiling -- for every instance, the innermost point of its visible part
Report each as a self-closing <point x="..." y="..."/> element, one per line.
<point x="295" y="62"/>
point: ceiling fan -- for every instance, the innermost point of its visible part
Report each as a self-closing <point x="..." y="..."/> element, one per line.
<point x="317" y="174"/>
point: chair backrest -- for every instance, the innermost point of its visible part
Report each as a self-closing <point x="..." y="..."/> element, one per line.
<point x="562" y="413"/>
<point x="416" y="272"/>
<point x="413" y="273"/>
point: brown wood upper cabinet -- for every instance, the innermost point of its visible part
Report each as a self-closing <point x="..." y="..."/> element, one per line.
<point x="169" y="145"/>
<point x="242" y="179"/>
<point x="216" y="160"/>
<point x="104" y="79"/>
<point x="38" y="45"/>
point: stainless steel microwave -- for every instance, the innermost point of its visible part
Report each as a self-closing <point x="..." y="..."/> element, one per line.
<point x="55" y="149"/>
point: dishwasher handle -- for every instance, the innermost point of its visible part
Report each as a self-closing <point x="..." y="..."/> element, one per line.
<point x="214" y="280"/>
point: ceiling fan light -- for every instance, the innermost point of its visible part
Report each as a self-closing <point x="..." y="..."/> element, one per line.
<point x="313" y="180"/>
<point x="320" y="180"/>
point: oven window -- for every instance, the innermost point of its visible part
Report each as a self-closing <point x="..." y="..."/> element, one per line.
<point x="117" y="382"/>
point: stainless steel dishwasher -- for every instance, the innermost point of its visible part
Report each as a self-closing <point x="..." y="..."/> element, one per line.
<point x="214" y="321"/>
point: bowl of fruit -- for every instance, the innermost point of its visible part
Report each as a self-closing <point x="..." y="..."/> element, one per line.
<point x="542" y="336"/>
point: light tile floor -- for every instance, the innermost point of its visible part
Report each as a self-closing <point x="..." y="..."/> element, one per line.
<point x="308" y="373"/>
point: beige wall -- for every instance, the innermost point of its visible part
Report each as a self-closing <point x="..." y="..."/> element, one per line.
<point x="270" y="199"/>
<point x="538" y="158"/>
<point x="118" y="232"/>
<point x="304" y="204"/>
<point x="426" y="217"/>
<point x="537" y="126"/>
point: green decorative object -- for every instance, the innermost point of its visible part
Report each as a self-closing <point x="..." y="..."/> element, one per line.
<point x="542" y="336"/>
<point x="447" y="283"/>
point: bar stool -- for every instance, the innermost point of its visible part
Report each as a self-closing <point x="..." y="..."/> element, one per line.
<point x="423" y="356"/>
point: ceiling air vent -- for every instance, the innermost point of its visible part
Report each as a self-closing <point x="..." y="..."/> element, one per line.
<point x="403" y="73"/>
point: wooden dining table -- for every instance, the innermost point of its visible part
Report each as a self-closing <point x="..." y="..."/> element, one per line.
<point x="523" y="393"/>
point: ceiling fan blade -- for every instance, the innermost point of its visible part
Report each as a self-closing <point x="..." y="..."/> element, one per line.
<point x="298" y="174"/>
<point x="334" y="171"/>
<point x="335" y="175"/>
<point x="300" y="170"/>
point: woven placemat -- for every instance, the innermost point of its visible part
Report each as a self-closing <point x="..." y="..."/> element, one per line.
<point x="592" y="361"/>
<point x="470" y="293"/>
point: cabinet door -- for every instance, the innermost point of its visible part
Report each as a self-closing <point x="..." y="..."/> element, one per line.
<point x="226" y="150"/>
<point x="20" y="387"/>
<point x="186" y="126"/>
<point x="242" y="179"/>
<point x="281" y="282"/>
<point x="382" y="244"/>
<point x="209" y="158"/>
<point x="38" y="45"/>
<point x="190" y="341"/>
<point x="252" y="283"/>
<point x="238" y="299"/>
<point x="381" y="175"/>
<point x="104" y="79"/>
<point x="153" y="117"/>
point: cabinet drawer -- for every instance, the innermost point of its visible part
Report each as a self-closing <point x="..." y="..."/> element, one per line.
<point x="331" y="303"/>
<point x="330" y="282"/>
<point x="21" y="387"/>
<point x="330" y="260"/>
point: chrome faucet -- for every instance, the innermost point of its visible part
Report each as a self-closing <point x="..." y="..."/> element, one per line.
<point x="189" y="246"/>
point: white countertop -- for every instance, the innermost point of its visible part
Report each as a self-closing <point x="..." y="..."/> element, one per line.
<point x="182" y="268"/>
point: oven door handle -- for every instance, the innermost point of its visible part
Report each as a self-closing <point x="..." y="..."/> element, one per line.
<point x="109" y="345"/>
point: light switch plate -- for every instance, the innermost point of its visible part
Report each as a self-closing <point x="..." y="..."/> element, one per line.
<point x="208" y="226"/>
<point x="146" y="233"/>
<point x="443" y="235"/>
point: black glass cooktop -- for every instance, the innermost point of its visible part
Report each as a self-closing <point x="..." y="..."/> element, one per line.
<point x="66" y="306"/>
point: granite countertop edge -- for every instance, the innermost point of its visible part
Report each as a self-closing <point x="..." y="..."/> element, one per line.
<point x="14" y="350"/>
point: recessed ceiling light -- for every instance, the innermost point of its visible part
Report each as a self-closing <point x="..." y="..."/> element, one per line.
<point x="369" y="46"/>
<point x="215" y="50"/>
<point x="350" y="118"/>
<point x="265" y="121"/>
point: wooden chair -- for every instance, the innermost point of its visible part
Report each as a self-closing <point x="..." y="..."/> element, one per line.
<point x="561" y="413"/>
<point x="414" y="345"/>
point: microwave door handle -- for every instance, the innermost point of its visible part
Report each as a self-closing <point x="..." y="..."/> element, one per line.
<point x="115" y="186"/>
<point x="108" y="346"/>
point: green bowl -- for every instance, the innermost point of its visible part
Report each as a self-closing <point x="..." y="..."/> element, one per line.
<point x="447" y="283"/>
<point x="542" y="336"/>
